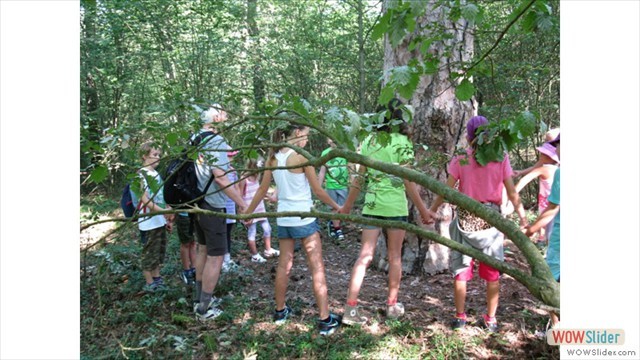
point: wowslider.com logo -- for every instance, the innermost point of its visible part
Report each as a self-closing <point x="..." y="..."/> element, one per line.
<point x="585" y="337"/>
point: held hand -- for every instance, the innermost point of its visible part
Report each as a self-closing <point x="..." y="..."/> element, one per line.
<point x="344" y="210"/>
<point x="169" y="227"/>
<point x="527" y="230"/>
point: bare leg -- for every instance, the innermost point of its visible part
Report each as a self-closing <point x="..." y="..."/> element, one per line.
<point x="367" y="248"/>
<point x="201" y="259"/>
<point x="394" y="243"/>
<point x="211" y="273"/>
<point x="192" y="254"/>
<point x="187" y="255"/>
<point x="285" y="262"/>
<point x="147" y="276"/>
<point x="493" y="292"/>
<point x="267" y="243"/>
<point x="252" y="247"/>
<point x="313" y="248"/>
<point x="459" y="295"/>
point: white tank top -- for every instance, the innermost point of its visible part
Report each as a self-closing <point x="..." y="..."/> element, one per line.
<point x="294" y="193"/>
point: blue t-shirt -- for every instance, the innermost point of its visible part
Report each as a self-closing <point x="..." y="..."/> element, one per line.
<point x="553" y="253"/>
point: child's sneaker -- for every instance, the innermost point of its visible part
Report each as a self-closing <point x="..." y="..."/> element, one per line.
<point x="339" y="234"/>
<point x="490" y="324"/>
<point x="328" y="328"/>
<point x="258" y="259"/>
<point x="331" y="230"/>
<point x="150" y="288"/>
<point x="185" y="276"/>
<point x="210" y="314"/>
<point x="352" y="316"/>
<point x="279" y="317"/>
<point x="458" y="323"/>
<point x="271" y="252"/>
<point x="395" y="311"/>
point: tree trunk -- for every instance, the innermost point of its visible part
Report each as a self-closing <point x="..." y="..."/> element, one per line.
<point x="438" y="122"/>
<point x="254" y="52"/>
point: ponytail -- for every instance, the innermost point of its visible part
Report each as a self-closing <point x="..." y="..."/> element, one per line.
<point x="280" y="135"/>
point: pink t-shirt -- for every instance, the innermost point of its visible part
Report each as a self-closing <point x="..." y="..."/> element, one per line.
<point x="482" y="183"/>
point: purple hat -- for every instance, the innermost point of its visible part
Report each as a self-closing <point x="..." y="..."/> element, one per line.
<point x="549" y="150"/>
<point x="473" y="124"/>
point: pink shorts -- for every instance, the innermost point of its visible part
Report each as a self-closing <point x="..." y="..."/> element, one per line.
<point x="485" y="272"/>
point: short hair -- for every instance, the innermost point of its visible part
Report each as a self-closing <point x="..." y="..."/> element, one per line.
<point x="213" y="111"/>
<point x="146" y="148"/>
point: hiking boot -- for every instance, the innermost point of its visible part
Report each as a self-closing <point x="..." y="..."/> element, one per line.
<point x="328" y="328"/>
<point x="395" y="311"/>
<point x="210" y="314"/>
<point x="215" y="302"/>
<point x="486" y="323"/>
<point x="339" y="235"/>
<point x="352" y="316"/>
<point x="279" y="317"/>
<point x="458" y="323"/>
<point x="271" y="252"/>
<point x="258" y="259"/>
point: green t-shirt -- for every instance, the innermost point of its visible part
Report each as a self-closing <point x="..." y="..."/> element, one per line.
<point x="385" y="194"/>
<point x="337" y="175"/>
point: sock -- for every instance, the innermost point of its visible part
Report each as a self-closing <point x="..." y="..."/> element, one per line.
<point x="227" y="257"/>
<point x="198" y="289"/>
<point x="327" y="320"/>
<point x="462" y="316"/>
<point x="279" y="311"/>
<point x="158" y="280"/>
<point x="205" y="299"/>
<point x="489" y="319"/>
<point x="352" y="302"/>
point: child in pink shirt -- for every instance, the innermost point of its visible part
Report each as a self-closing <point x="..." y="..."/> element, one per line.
<point x="484" y="184"/>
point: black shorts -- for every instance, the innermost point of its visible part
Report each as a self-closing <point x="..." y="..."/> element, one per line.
<point x="212" y="231"/>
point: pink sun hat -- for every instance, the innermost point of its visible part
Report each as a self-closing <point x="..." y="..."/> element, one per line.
<point x="549" y="150"/>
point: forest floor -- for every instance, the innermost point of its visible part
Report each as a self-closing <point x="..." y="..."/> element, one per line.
<point x="118" y="320"/>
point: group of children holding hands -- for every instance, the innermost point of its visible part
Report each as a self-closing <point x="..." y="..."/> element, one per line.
<point x="385" y="198"/>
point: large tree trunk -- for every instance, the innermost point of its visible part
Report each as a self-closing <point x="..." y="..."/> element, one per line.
<point x="439" y="120"/>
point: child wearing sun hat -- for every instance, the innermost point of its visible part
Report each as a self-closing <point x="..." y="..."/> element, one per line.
<point x="549" y="160"/>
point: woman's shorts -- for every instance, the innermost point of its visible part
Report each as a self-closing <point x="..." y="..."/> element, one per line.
<point x="391" y="218"/>
<point x="297" y="232"/>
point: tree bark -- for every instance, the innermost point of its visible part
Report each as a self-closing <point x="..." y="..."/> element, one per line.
<point x="438" y="122"/>
<point x="254" y="52"/>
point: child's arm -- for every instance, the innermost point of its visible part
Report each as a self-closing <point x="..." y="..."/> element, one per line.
<point x="354" y="190"/>
<point x="321" y="174"/>
<point x="310" y="172"/>
<point x="411" y="190"/>
<point x="545" y="218"/>
<point x="451" y="182"/>
<point x="528" y="177"/>
<point x="538" y="164"/>
<point x="515" y="200"/>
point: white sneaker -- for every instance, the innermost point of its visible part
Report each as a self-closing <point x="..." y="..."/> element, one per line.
<point x="258" y="259"/>
<point x="215" y="302"/>
<point x="210" y="314"/>
<point x="271" y="252"/>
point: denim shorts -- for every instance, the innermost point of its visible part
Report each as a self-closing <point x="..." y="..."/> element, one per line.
<point x="297" y="232"/>
<point x="390" y="218"/>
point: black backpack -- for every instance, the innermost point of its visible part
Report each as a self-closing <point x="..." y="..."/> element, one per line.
<point x="126" y="202"/>
<point x="181" y="182"/>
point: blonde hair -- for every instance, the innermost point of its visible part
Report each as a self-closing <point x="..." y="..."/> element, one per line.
<point x="146" y="147"/>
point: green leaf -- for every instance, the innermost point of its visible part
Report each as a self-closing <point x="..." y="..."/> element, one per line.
<point x="470" y="12"/>
<point x="465" y="90"/>
<point x="424" y="47"/>
<point x="172" y="138"/>
<point x="99" y="174"/>
<point x="400" y="75"/>
<point x="407" y="90"/>
<point x="381" y="27"/>
<point x="398" y="29"/>
<point x="385" y="95"/>
<point x="333" y="115"/>
<point x="431" y="66"/>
